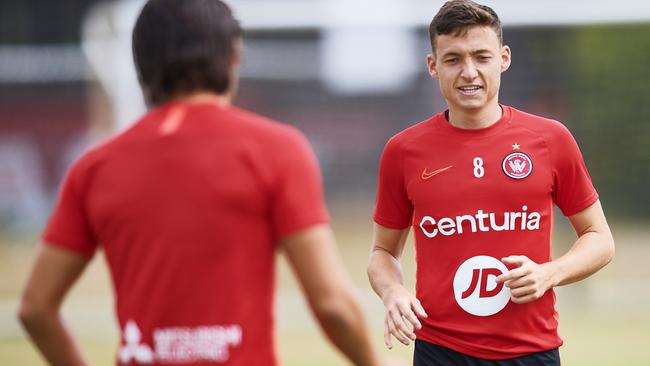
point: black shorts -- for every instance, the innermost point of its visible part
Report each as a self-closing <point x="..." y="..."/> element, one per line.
<point x="427" y="354"/>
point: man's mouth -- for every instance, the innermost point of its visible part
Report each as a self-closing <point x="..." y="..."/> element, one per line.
<point x="470" y="89"/>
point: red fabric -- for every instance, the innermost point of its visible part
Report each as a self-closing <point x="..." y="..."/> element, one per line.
<point x="188" y="205"/>
<point x="438" y="205"/>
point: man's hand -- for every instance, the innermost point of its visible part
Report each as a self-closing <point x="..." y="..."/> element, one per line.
<point x="528" y="281"/>
<point x="401" y="307"/>
<point x="385" y="275"/>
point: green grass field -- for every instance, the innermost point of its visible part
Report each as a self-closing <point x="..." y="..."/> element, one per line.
<point x="604" y="321"/>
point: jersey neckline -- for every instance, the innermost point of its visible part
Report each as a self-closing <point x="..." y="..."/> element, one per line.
<point x="185" y="106"/>
<point x="441" y="123"/>
<point x="184" y="103"/>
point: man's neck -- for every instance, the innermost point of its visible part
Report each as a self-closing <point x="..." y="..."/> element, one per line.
<point x="475" y="119"/>
<point x="223" y="100"/>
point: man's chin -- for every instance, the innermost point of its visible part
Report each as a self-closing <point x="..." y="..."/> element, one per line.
<point x="470" y="106"/>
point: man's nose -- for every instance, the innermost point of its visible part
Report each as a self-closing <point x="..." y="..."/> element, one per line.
<point x="469" y="71"/>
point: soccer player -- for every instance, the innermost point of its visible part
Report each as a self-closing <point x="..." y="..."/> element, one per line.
<point x="477" y="183"/>
<point x="190" y="206"/>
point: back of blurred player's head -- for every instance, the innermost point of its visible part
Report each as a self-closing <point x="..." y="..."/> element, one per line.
<point x="456" y="16"/>
<point x="185" y="46"/>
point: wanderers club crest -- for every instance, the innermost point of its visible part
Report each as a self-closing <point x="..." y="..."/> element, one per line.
<point x="517" y="165"/>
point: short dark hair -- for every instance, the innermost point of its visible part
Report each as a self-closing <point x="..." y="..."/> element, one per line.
<point x="456" y="16"/>
<point x="182" y="46"/>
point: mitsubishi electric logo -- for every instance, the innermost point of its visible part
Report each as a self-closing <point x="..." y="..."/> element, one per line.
<point x="133" y="349"/>
<point x="210" y="343"/>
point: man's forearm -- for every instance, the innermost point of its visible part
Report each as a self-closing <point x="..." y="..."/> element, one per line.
<point x="384" y="271"/>
<point x="54" y="272"/>
<point x="51" y="337"/>
<point x="591" y="252"/>
<point x="528" y="281"/>
<point x="344" y="323"/>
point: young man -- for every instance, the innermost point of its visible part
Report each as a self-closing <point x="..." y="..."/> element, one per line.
<point x="478" y="183"/>
<point x="190" y="206"/>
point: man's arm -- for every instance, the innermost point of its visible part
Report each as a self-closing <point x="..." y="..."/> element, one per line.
<point x="313" y="256"/>
<point x="593" y="249"/>
<point x="54" y="272"/>
<point x="385" y="274"/>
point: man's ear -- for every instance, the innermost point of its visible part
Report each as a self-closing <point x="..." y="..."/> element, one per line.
<point x="432" y="65"/>
<point x="237" y="51"/>
<point x="506" y="58"/>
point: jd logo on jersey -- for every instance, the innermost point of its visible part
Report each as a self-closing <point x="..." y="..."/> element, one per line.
<point x="517" y="165"/>
<point x="475" y="287"/>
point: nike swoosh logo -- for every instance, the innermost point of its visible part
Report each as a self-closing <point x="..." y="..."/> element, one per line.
<point x="426" y="175"/>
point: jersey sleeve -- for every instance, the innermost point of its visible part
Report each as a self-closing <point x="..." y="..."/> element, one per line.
<point x="298" y="199"/>
<point x="393" y="209"/>
<point x="68" y="226"/>
<point x="573" y="189"/>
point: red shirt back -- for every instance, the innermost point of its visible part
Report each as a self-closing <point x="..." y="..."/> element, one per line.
<point x="188" y="205"/>
<point x="474" y="197"/>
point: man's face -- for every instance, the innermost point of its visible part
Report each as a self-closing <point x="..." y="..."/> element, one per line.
<point x="468" y="68"/>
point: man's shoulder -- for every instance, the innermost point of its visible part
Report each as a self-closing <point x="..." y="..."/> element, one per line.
<point x="248" y="128"/>
<point x="87" y="161"/>
<point x="412" y="132"/>
<point x="264" y="128"/>
<point x="548" y="128"/>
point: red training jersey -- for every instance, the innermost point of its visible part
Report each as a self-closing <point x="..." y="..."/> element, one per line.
<point x="474" y="197"/>
<point x="188" y="205"/>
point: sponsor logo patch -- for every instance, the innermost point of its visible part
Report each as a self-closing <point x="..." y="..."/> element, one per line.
<point x="209" y="343"/>
<point x="475" y="287"/>
<point x="480" y="222"/>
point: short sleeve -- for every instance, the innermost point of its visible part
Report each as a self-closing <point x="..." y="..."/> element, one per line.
<point x="298" y="200"/>
<point x="573" y="189"/>
<point x="68" y="226"/>
<point x="393" y="209"/>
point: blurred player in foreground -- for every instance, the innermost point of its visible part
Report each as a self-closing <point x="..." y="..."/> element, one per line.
<point x="478" y="183"/>
<point x="190" y="206"/>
